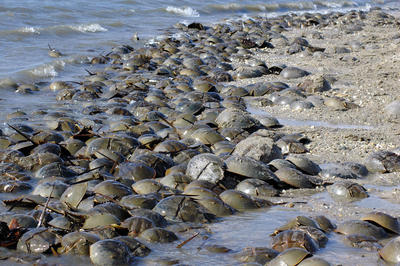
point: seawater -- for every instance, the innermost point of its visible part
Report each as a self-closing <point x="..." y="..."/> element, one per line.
<point x="81" y="29"/>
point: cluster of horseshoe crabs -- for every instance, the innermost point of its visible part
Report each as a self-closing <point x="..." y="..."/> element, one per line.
<point x="156" y="144"/>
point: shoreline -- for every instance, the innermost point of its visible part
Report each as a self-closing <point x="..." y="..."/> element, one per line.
<point x="177" y="88"/>
<point x="356" y="82"/>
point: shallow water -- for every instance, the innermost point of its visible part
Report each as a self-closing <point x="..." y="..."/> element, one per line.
<point x="307" y="123"/>
<point x="250" y="229"/>
<point x="81" y="28"/>
<point x="253" y="229"/>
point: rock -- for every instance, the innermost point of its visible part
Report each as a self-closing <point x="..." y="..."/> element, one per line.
<point x="196" y="25"/>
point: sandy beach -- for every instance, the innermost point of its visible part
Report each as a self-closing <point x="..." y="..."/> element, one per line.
<point x="365" y="75"/>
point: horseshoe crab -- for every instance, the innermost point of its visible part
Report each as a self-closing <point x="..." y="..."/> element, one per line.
<point x="138" y="201"/>
<point x="288" y="145"/>
<point x="258" y="255"/>
<point x="136" y="248"/>
<point x="315" y="233"/>
<point x="97" y="219"/>
<point x="137" y="224"/>
<point x="357" y="227"/>
<point x="147" y="186"/>
<point x="157" y="218"/>
<point x="362" y="241"/>
<point x="238" y="200"/>
<point x="182" y="209"/>
<point x="61" y="222"/>
<point x="324" y="223"/>
<point x="77" y="243"/>
<point x="112" y="189"/>
<point x="159" y="235"/>
<point x="259" y="148"/>
<point x="54" y="169"/>
<point x="38" y="240"/>
<point x="297" y="179"/>
<point x="290" y="238"/>
<point x="110" y="252"/>
<point x="391" y="251"/>
<point x="206" y="167"/>
<point x="216" y="206"/>
<point x="170" y="146"/>
<point x="199" y="192"/>
<point x="257" y="188"/>
<point x="304" y="164"/>
<point x="249" y="167"/>
<point x="383" y="162"/>
<point x="347" y="191"/>
<point x="74" y="194"/>
<point x="346" y="170"/>
<point x="235" y="118"/>
<point x="383" y="220"/>
<point x="23" y="220"/>
<point x="55" y="188"/>
<point x="314" y="261"/>
<point x="291" y="256"/>
<point x="295" y="223"/>
<point x="12" y="186"/>
<point x="175" y="180"/>
<point x="207" y="136"/>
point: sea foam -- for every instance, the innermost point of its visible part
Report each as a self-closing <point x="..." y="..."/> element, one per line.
<point x="30" y="30"/>
<point x="49" y="70"/>
<point x="184" y="11"/>
<point x="89" y="28"/>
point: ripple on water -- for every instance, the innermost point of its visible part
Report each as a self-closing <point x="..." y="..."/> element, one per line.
<point x="309" y="123"/>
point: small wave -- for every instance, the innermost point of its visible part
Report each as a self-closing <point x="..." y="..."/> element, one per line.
<point x="78" y="59"/>
<point x="89" y="28"/>
<point x="298" y="6"/>
<point x="48" y="70"/>
<point x="335" y="4"/>
<point x="185" y="11"/>
<point x="243" y="7"/>
<point x="21" y="31"/>
<point x="282" y="7"/>
<point x="29" y="30"/>
<point x="59" y="29"/>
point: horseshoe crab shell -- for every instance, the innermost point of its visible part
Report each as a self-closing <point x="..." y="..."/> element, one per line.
<point x="73" y="195"/>
<point x="207" y="167"/>
<point x="251" y="168"/>
<point x="384" y="220"/>
<point x="391" y="251"/>
<point x="291" y="256"/>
